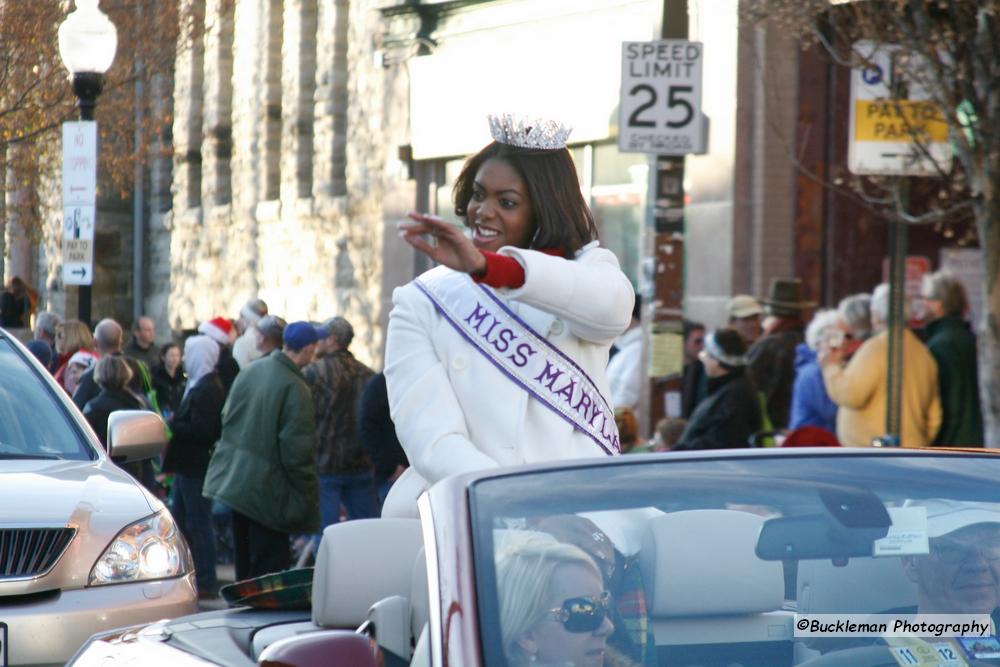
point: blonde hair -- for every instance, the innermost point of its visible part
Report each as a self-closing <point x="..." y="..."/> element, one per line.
<point x="75" y="337"/>
<point x="112" y="372"/>
<point x="525" y="569"/>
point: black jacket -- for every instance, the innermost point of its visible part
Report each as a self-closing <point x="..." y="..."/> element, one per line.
<point x="227" y="368"/>
<point x="169" y="390"/>
<point x="87" y="388"/>
<point x="376" y="430"/>
<point x="772" y="368"/>
<point x="728" y="416"/>
<point x="196" y="427"/>
<point x="101" y="406"/>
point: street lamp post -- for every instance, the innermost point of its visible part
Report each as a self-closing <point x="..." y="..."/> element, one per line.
<point x="87" y="44"/>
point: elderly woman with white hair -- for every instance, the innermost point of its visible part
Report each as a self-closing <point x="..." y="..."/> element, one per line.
<point x="553" y="606"/>
<point x="860" y="387"/>
<point x="811" y="405"/>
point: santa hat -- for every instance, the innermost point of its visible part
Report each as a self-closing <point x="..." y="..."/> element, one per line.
<point x="218" y="329"/>
<point x="83" y="358"/>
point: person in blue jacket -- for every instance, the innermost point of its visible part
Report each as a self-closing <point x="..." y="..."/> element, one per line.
<point x="811" y="406"/>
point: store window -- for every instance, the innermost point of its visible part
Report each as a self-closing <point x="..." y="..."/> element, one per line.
<point x="613" y="183"/>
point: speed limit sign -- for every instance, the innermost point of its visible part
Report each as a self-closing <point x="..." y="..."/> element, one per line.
<point x="660" y="106"/>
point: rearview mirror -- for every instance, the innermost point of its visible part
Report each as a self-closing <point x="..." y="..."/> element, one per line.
<point x="333" y="647"/>
<point x="815" y="536"/>
<point x="135" y="435"/>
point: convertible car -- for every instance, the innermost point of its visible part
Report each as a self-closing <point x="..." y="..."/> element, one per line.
<point x="666" y="559"/>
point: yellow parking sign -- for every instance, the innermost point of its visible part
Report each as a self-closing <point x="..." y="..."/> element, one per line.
<point x="896" y="129"/>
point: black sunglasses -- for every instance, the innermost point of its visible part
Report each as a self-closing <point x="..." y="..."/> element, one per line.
<point x="584" y="614"/>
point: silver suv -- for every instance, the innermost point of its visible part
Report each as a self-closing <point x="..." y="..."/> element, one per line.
<point x="83" y="547"/>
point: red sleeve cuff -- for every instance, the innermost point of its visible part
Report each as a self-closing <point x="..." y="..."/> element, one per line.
<point x="501" y="272"/>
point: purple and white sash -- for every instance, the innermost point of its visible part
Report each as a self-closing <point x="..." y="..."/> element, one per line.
<point x="525" y="357"/>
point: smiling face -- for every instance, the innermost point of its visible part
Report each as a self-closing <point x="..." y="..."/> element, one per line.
<point x="550" y="642"/>
<point x="500" y="212"/>
<point x="962" y="573"/>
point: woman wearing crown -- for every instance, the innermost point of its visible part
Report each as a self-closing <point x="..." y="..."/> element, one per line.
<point x="498" y="355"/>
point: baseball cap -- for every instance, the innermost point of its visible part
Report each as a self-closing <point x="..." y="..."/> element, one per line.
<point x="743" y="305"/>
<point x="946" y="516"/>
<point x="297" y="335"/>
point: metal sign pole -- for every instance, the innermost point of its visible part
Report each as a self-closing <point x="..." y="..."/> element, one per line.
<point x="897" y="322"/>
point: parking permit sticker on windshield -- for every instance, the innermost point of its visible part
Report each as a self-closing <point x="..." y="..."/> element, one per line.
<point x="981" y="648"/>
<point x="913" y="652"/>
<point x="907" y="535"/>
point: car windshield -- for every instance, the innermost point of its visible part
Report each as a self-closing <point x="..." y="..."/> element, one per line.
<point x="33" y="422"/>
<point x="664" y="560"/>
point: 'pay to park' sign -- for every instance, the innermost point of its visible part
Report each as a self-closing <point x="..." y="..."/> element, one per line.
<point x="660" y="106"/>
<point x="895" y="128"/>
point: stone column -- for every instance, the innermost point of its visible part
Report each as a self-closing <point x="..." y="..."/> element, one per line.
<point x="188" y="79"/>
<point x="247" y="106"/>
<point x="330" y="124"/>
<point x="270" y="140"/>
<point x="298" y="83"/>
<point x="216" y="149"/>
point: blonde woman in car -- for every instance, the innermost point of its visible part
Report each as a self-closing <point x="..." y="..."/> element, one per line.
<point x="553" y="606"/>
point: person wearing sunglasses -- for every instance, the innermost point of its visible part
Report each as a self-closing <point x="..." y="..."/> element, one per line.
<point x="961" y="572"/>
<point x="553" y="605"/>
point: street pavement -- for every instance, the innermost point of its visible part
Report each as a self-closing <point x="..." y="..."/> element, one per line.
<point x="226" y="574"/>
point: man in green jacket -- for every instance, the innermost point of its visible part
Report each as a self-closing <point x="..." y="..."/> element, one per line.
<point x="264" y="465"/>
<point x="954" y="348"/>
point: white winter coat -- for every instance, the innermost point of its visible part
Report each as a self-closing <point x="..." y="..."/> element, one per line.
<point x="455" y="412"/>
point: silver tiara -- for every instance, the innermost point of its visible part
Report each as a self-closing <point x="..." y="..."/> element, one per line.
<point x="524" y="132"/>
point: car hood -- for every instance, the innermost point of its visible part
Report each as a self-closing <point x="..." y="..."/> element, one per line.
<point x="52" y="493"/>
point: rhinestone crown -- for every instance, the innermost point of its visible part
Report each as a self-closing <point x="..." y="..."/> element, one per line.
<point x="525" y="132"/>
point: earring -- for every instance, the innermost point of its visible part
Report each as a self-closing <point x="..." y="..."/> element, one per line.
<point x="532" y="658"/>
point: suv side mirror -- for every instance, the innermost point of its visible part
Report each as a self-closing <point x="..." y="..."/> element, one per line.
<point x="331" y="647"/>
<point x="134" y="435"/>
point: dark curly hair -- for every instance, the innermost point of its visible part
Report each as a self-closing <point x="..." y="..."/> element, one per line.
<point x="563" y="220"/>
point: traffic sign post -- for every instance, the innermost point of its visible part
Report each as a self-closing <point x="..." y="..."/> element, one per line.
<point x="79" y="185"/>
<point x="896" y="129"/>
<point x="660" y="107"/>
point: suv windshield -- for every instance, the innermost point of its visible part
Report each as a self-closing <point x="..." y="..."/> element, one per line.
<point x="669" y="561"/>
<point x="33" y="422"/>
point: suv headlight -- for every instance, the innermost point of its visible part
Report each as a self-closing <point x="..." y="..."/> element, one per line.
<point x="148" y="549"/>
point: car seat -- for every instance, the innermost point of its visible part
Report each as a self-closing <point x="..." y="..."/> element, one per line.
<point x="711" y="600"/>
<point x="398" y="621"/>
<point x="359" y="563"/>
